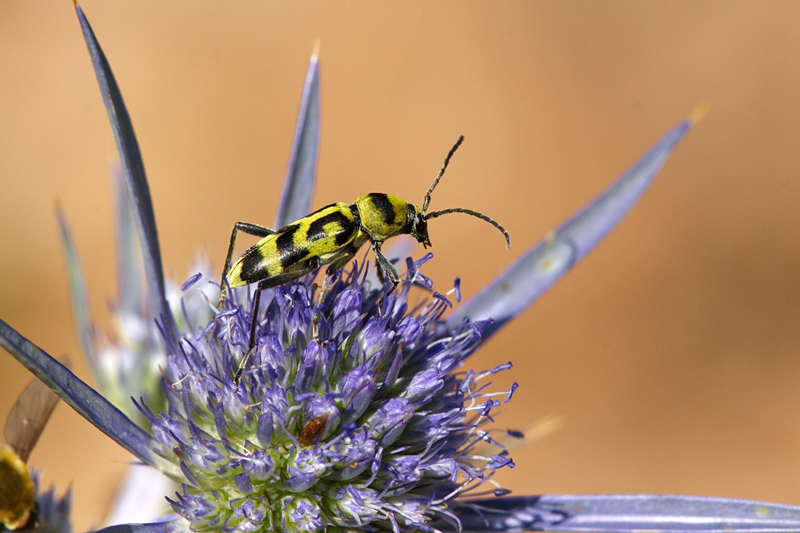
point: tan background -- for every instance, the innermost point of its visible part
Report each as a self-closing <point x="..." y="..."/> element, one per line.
<point x="671" y="351"/>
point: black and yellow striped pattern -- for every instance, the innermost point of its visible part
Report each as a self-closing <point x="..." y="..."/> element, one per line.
<point x="317" y="239"/>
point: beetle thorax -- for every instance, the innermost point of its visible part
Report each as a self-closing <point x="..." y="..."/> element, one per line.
<point x="383" y="216"/>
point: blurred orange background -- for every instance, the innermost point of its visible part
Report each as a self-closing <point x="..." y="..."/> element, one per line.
<point x="671" y="352"/>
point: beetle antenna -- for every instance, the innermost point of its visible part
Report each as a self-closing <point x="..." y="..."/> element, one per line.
<point x="470" y="212"/>
<point x="441" y="173"/>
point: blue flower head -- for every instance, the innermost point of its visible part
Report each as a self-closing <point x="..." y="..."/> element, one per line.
<point x="355" y="410"/>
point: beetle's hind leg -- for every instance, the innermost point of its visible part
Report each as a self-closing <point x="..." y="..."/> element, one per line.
<point x="245" y="227"/>
<point x="330" y="273"/>
<point x="251" y="344"/>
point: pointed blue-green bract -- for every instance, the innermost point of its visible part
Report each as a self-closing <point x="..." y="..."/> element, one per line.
<point x="131" y="296"/>
<point x="298" y="186"/>
<point x="546" y="262"/>
<point x="133" y="170"/>
<point x="81" y="397"/>
<point x="625" y="513"/>
<point x="77" y="285"/>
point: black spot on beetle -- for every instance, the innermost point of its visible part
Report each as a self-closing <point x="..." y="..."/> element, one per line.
<point x="343" y="232"/>
<point x="384" y="206"/>
<point x="254" y="268"/>
<point x="288" y="250"/>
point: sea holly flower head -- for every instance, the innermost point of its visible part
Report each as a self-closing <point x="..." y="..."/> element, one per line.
<point x="353" y="411"/>
<point x="356" y="411"/>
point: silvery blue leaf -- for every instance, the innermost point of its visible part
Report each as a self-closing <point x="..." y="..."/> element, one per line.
<point x="81" y="397"/>
<point x="546" y="262"/>
<point x="77" y="286"/>
<point x="626" y="513"/>
<point x="133" y="171"/>
<point x="298" y="187"/>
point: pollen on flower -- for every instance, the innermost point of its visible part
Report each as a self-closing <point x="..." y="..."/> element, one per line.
<point x="352" y="412"/>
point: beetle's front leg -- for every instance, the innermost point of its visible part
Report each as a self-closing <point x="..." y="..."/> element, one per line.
<point x="386" y="272"/>
<point x="245" y="227"/>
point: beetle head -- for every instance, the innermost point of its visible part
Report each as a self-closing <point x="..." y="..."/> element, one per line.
<point x="419" y="226"/>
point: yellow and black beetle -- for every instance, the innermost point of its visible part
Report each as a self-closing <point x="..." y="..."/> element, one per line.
<point x="331" y="236"/>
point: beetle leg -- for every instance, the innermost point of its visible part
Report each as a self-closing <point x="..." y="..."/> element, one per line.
<point x="330" y="273"/>
<point x="245" y="227"/>
<point x="386" y="272"/>
<point x="315" y="331"/>
<point x="325" y="283"/>
<point x="251" y="344"/>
